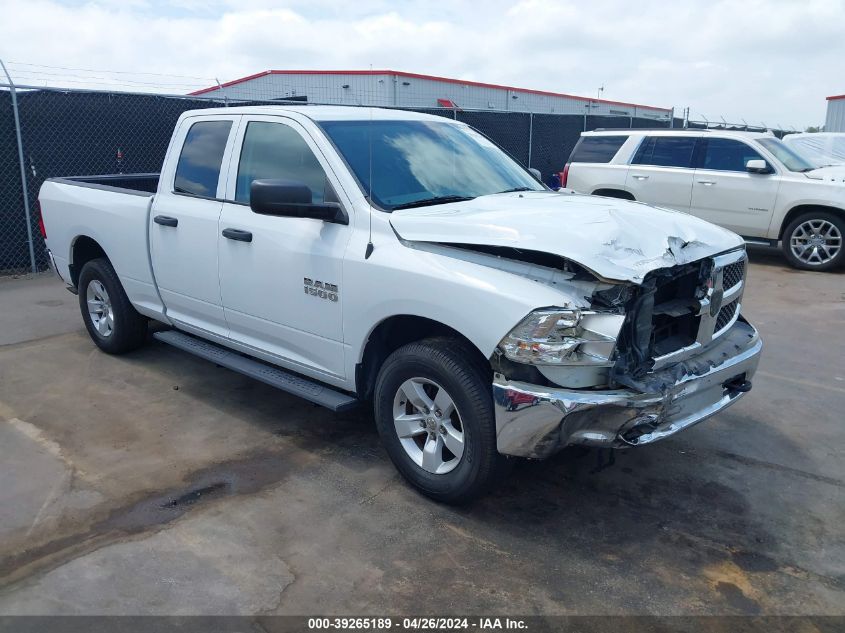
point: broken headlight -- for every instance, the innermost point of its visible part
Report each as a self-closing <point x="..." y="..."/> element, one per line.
<point x="555" y="336"/>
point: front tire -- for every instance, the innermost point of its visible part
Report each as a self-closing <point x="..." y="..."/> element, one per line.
<point x="111" y="321"/>
<point x="434" y="413"/>
<point x="814" y="241"/>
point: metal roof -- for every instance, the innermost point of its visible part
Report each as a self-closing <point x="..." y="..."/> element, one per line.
<point x="400" y="73"/>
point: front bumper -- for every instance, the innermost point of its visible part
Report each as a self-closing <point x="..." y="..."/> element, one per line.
<point x="537" y="421"/>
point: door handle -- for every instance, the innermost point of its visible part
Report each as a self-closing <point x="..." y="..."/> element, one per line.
<point x="166" y="220"/>
<point x="237" y="235"/>
<point x="639" y="177"/>
<point x="707" y="182"/>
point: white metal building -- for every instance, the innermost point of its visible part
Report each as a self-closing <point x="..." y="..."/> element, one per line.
<point x="390" y="88"/>
<point x="835" y="121"/>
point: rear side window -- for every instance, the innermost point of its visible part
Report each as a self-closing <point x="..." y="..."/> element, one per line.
<point x="596" y="149"/>
<point x="666" y="151"/>
<point x="276" y="150"/>
<point x="724" y="154"/>
<point x="198" y="169"/>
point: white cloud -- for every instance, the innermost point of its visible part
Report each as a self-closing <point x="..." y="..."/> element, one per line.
<point x="769" y="61"/>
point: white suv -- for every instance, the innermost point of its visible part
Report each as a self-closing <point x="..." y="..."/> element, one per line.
<point x="751" y="183"/>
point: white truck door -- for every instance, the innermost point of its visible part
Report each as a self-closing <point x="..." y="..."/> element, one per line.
<point x="183" y="223"/>
<point x="724" y="193"/>
<point x="281" y="277"/>
<point x="661" y="171"/>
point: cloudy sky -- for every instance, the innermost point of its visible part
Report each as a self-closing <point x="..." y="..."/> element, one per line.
<point x="769" y="61"/>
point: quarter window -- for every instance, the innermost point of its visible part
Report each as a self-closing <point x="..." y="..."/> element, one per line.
<point x="666" y="151"/>
<point x="198" y="169"/>
<point x="596" y="149"/>
<point x="724" y="154"/>
<point x="276" y="150"/>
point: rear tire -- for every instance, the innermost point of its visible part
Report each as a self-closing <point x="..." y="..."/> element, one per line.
<point x="113" y="324"/>
<point x="449" y="453"/>
<point x="814" y="241"/>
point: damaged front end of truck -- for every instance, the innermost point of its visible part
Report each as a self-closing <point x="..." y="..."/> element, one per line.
<point x="681" y="354"/>
<point x="648" y="338"/>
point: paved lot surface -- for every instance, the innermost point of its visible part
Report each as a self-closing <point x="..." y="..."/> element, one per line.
<point x="155" y="483"/>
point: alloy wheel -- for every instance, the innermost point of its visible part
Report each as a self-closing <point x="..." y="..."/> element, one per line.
<point x="99" y="308"/>
<point x="815" y="242"/>
<point x="429" y="425"/>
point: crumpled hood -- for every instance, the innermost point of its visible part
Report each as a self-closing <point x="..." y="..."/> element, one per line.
<point x="831" y="173"/>
<point x="616" y="239"/>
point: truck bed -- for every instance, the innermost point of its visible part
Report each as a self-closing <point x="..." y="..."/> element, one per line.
<point x="112" y="211"/>
<point x="135" y="184"/>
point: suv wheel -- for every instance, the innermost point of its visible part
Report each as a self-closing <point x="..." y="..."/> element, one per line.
<point x="109" y="317"/>
<point x="813" y="241"/>
<point x="434" y="412"/>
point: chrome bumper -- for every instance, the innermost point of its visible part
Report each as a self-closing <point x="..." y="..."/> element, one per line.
<point x="537" y="421"/>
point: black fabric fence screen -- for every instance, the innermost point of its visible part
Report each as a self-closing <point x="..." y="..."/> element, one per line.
<point x="75" y="133"/>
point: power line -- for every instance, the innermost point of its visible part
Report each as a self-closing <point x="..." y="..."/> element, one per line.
<point x="115" y="84"/>
<point x="39" y="73"/>
<point x="117" y="72"/>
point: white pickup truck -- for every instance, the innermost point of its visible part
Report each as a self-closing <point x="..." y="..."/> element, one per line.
<point x="352" y="255"/>
<point x="748" y="182"/>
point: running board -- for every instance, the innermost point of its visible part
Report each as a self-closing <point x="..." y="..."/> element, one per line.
<point x="268" y="374"/>
<point x="760" y="241"/>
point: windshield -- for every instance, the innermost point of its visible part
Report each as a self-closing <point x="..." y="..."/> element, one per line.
<point x="417" y="163"/>
<point x="823" y="150"/>
<point x="791" y="159"/>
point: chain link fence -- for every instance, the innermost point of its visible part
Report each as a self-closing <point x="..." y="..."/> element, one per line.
<point x="85" y="132"/>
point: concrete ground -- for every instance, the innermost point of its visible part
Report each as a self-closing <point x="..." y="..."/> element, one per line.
<point x="156" y="483"/>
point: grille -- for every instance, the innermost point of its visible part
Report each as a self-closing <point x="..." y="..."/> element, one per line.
<point x="725" y="316"/>
<point x="733" y="274"/>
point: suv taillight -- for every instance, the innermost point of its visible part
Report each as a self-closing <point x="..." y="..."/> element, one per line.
<point x="40" y="219"/>
<point x="564" y="175"/>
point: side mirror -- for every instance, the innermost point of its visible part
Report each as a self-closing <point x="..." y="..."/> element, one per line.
<point x="536" y="173"/>
<point x="757" y="166"/>
<point x="288" y="198"/>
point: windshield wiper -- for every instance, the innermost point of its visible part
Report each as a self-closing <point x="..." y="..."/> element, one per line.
<point x="435" y="200"/>
<point x="515" y="189"/>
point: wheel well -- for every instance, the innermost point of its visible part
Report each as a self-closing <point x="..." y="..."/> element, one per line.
<point x="801" y="209"/>
<point x="83" y="250"/>
<point x="393" y="333"/>
<point x="614" y="193"/>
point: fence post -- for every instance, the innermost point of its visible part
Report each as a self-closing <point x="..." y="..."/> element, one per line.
<point x="225" y="96"/>
<point x="530" y="135"/>
<point x="22" y="166"/>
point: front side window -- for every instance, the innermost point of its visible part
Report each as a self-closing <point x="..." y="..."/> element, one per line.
<point x="724" y="154"/>
<point x="666" y="151"/>
<point x="198" y="169"/>
<point x="277" y="151"/>
<point x="597" y="149"/>
<point x="419" y="162"/>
